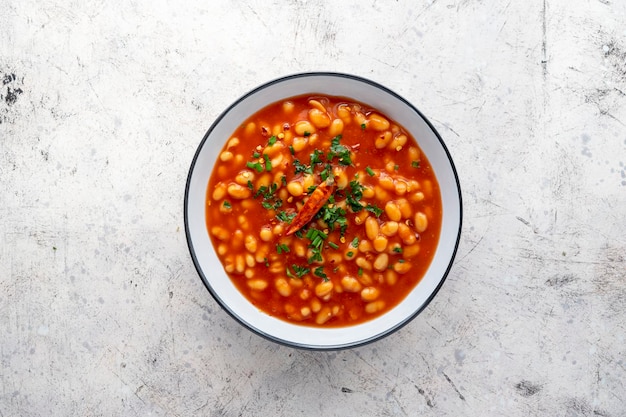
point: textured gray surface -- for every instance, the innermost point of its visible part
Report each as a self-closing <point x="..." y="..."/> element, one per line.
<point x="102" y="107"/>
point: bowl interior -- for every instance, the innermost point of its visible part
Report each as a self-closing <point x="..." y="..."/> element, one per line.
<point x="205" y="257"/>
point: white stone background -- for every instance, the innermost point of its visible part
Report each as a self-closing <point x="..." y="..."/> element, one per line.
<point x="104" y="103"/>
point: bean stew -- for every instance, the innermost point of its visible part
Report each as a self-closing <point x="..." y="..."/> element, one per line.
<point x="323" y="211"/>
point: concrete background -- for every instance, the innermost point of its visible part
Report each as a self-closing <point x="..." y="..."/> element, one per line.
<point x="102" y="107"/>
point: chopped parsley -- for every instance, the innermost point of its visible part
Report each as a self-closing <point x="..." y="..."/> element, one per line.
<point x="268" y="163"/>
<point x="363" y="126"/>
<point x="227" y="204"/>
<point x="339" y="151"/>
<point x="307" y="134"/>
<point x="354" y="195"/>
<point x="397" y="249"/>
<point x="300" y="271"/>
<point x="255" y="165"/>
<point x="282" y="248"/>
<point x="316" y="157"/>
<point x="300" y="167"/>
<point x="373" y="209"/>
<point x="271" y="140"/>
<point x="355" y="242"/>
<point x="415" y="164"/>
<point x="285" y="217"/>
<point x="319" y="272"/>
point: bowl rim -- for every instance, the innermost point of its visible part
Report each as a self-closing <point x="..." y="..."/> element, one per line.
<point x="225" y="306"/>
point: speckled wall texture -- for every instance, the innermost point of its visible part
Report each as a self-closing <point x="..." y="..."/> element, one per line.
<point x="102" y="106"/>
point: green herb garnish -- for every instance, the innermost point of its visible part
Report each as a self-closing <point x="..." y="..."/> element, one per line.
<point x="373" y="209"/>
<point x="370" y="171"/>
<point x="282" y="248"/>
<point x="255" y="165"/>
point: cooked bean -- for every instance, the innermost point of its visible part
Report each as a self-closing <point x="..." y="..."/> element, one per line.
<point x="406" y="234"/>
<point x="374" y="306"/>
<point x="414" y="153"/>
<point x="316" y="305"/>
<point x="266" y="234"/>
<point x="365" y="246"/>
<point x="220" y="232"/>
<point x="363" y="263"/>
<point x="380" y="243"/>
<point x="250" y="129"/>
<point x="244" y="176"/>
<point x="250" y="261"/>
<point x="417" y="197"/>
<point x="411" y="251"/>
<point x="391" y="277"/>
<point x="383" y="140"/>
<point x="402" y="267"/>
<point x="283" y="287"/>
<point x="350" y="284"/>
<point x="240" y="264"/>
<point x="303" y="128"/>
<point x="386" y="182"/>
<point x="257" y="284"/>
<point x="400" y="187"/>
<point x="361" y="217"/>
<point x="377" y="122"/>
<point x="299" y="143"/>
<point x="232" y="142"/>
<point x="236" y="241"/>
<point x="389" y="228"/>
<point x="288" y="106"/>
<point x="277" y="160"/>
<point x="335" y="128"/>
<point x="226" y="156"/>
<point x="317" y="105"/>
<point x="381" y="262"/>
<point x="305" y="311"/>
<point x="299" y="248"/>
<point x="341" y="178"/>
<point x="249" y="273"/>
<point x="319" y="118"/>
<point x="350" y="253"/>
<point x="405" y="208"/>
<point x="427" y="187"/>
<point x="323" y="288"/>
<point x="344" y="113"/>
<point x="359" y="118"/>
<point x="381" y="194"/>
<point x="371" y="228"/>
<point x="393" y="211"/>
<point x="421" y="222"/>
<point x="324" y="315"/>
<point x="278" y="229"/>
<point x="398" y="142"/>
<point x="295" y="188"/>
<point x="308" y="181"/>
<point x="222" y="249"/>
<point x="237" y="191"/>
<point x="219" y="191"/>
<point x="368" y="192"/>
<point x="365" y="279"/>
<point x="261" y="253"/>
<point x="250" y="243"/>
<point x="370" y="293"/>
<point x="276" y="267"/>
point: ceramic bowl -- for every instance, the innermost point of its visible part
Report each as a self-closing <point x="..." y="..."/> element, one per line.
<point x="205" y="258"/>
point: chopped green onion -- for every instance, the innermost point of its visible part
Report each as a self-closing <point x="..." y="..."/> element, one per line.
<point x="370" y="171"/>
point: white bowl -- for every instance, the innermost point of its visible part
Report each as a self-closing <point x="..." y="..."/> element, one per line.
<point x="205" y="257"/>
